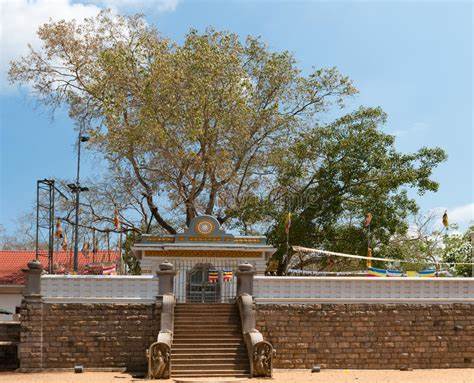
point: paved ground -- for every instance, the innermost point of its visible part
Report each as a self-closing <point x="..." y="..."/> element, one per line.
<point x="280" y="376"/>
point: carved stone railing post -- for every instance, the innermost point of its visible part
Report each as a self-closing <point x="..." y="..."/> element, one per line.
<point x="166" y="275"/>
<point x="260" y="352"/>
<point x="159" y="353"/>
<point x="30" y="350"/>
<point x="245" y="275"/>
<point x="33" y="279"/>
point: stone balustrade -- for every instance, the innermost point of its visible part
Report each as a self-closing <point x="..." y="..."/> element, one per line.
<point x="99" y="288"/>
<point x="287" y="290"/>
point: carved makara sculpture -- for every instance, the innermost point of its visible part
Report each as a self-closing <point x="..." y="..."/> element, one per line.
<point x="158" y="361"/>
<point x="262" y="359"/>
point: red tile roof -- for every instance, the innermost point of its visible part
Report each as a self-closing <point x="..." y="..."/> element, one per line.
<point x="12" y="262"/>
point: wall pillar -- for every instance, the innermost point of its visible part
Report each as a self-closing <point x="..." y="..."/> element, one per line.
<point x="30" y="351"/>
<point x="166" y="275"/>
<point x="245" y="276"/>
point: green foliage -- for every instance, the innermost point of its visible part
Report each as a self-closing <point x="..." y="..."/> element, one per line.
<point x="190" y="122"/>
<point x="225" y="126"/>
<point x="458" y="249"/>
<point x="334" y="174"/>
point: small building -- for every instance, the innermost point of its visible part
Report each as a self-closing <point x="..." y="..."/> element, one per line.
<point x="206" y="258"/>
<point x="12" y="276"/>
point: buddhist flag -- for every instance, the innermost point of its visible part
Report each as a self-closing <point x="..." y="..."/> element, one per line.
<point x="85" y="249"/>
<point x="59" y="229"/>
<point x="445" y="219"/>
<point x="369" y="261"/>
<point x="227" y="275"/>
<point x="116" y="220"/>
<point x="288" y="223"/>
<point x="368" y="219"/>
<point x="64" y="242"/>
<point x="213" y="276"/>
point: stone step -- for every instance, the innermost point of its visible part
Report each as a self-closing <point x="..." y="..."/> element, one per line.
<point x="223" y="326"/>
<point x="210" y="332"/>
<point x="190" y="338"/>
<point x="8" y="343"/>
<point x="226" y="366"/>
<point x="208" y="342"/>
<point x="207" y="319"/>
<point x="208" y="353"/>
<point x="206" y="313"/>
<point x="185" y="345"/>
<point x="206" y="310"/>
<point x="218" y="379"/>
<point x="208" y="338"/>
<point x="207" y="306"/>
<point x="199" y="360"/>
<point x="198" y="331"/>
<point x="199" y="343"/>
<point x="212" y="374"/>
<point x="212" y="329"/>
<point x="212" y="336"/>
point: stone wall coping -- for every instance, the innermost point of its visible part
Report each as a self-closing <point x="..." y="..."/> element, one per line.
<point x="300" y="301"/>
<point x="87" y="300"/>
<point x="9" y="323"/>
<point x="371" y="279"/>
<point x="99" y="277"/>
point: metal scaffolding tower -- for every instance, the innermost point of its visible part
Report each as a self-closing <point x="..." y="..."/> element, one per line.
<point x="45" y="198"/>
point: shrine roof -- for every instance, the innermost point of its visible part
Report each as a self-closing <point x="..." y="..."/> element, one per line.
<point x="204" y="233"/>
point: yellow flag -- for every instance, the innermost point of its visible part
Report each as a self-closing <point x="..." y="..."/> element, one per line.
<point x="288" y="223"/>
<point x="445" y="219"/>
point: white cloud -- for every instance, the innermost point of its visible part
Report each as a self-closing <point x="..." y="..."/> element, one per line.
<point x="415" y="128"/>
<point x="461" y="215"/>
<point x="138" y="5"/>
<point x="20" y="19"/>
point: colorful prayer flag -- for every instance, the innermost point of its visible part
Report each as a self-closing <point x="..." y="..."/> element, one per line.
<point x="116" y="219"/>
<point x="368" y="219"/>
<point x="374" y="272"/>
<point x="427" y="273"/>
<point x="64" y="243"/>
<point x="445" y="219"/>
<point x="288" y="223"/>
<point x="59" y="229"/>
<point x="213" y="276"/>
<point x="227" y="276"/>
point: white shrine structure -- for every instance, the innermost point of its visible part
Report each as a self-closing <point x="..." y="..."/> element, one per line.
<point x="205" y="257"/>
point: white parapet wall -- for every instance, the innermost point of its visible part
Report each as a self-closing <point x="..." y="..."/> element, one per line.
<point x="291" y="290"/>
<point x="99" y="288"/>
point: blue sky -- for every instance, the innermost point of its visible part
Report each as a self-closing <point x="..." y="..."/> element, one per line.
<point x="414" y="59"/>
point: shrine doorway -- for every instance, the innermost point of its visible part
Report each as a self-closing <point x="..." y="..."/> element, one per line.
<point x="203" y="284"/>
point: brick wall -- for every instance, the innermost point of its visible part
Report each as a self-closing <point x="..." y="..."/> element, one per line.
<point x="92" y="335"/>
<point x="371" y="336"/>
<point x="9" y="338"/>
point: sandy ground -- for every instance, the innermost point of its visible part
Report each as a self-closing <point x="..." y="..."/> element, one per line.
<point x="280" y="376"/>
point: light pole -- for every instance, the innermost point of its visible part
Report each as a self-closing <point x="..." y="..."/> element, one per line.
<point x="76" y="188"/>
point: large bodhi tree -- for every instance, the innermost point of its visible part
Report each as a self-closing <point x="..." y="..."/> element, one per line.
<point x="221" y="126"/>
<point x="196" y="125"/>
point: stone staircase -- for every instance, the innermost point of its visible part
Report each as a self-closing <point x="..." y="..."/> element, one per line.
<point x="208" y="342"/>
<point x="9" y="340"/>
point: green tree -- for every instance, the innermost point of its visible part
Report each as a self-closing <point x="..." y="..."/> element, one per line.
<point x="192" y="123"/>
<point x="218" y="125"/>
<point x="334" y="174"/>
<point x="457" y="248"/>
